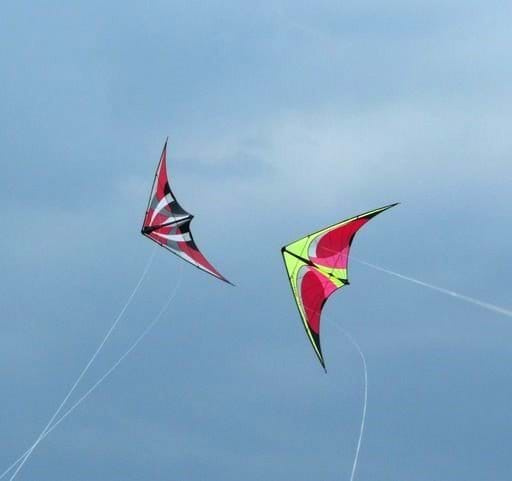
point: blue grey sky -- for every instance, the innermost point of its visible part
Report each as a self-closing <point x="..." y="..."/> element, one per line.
<point x="283" y="117"/>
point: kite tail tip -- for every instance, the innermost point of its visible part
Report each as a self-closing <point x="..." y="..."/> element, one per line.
<point x="386" y="207"/>
<point x="228" y="282"/>
<point x="322" y="362"/>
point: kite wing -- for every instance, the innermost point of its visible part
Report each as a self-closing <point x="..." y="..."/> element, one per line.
<point x="317" y="265"/>
<point x="168" y="224"/>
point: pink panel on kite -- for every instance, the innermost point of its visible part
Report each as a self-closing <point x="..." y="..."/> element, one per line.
<point x="333" y="247"/>
<point x="188" y="249"/>
<point x="315" y="288"/>
<point x="162" y="174"/>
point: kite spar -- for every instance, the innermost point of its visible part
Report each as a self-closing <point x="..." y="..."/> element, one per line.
<point x="317" y="265"/>
<point x="168" y="224"/>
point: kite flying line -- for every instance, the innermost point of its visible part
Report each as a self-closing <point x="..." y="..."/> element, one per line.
<point x="363" y="418"/>
<point x="462" y="297"/>
<point x="87" y="366"/>
<point x="144" y="333"/>
<point x="365" y="397"/>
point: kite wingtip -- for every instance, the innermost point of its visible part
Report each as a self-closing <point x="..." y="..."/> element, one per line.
<point x="386" y="207"/>
<point x="322" y="363"/>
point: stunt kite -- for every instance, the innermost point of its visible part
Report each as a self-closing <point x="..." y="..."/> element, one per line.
<point x="317" y="265"/>
<point x="168" y="224"/>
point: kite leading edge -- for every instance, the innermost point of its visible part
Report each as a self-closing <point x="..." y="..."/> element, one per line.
<point x="317" y="265"/>
<point x="168" y="224"/>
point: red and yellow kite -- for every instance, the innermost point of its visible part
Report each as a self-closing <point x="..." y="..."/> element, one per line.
<point x="317" y="265"/>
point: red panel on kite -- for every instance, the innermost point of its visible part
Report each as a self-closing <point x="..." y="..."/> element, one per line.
<point x="315" y="288"/>
<point x="168" y="224"/>
<point x="326" y="252"/>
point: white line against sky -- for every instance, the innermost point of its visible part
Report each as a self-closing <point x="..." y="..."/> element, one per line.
<point x="448" y="292"/>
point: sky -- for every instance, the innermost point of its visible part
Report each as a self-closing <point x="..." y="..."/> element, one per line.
<point x="282" y="117"/>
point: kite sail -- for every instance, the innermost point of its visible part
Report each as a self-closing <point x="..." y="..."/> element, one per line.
<point x="168" y="224"/>
<point x="317" y="265"/>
